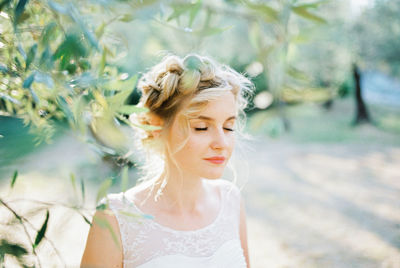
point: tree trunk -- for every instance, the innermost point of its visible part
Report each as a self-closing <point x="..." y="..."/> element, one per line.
<point x="362" y="115"/>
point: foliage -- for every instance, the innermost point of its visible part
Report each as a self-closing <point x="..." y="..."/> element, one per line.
<point x="275" y="32"/>
<point x="376" y="39"/>
<point x="55" y="67"/>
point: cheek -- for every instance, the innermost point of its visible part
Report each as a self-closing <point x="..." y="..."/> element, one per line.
<point x="190" y="152"/>
<point x="176" y="138"/>
<point x="231" y="144"/>
<point x="195" y="146"/>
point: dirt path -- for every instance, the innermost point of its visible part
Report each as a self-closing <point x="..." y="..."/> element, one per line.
<point x="319" y="205"/>
<point x="324" y="205"/>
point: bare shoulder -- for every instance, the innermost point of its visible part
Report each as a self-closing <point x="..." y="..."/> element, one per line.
<point x="103" y="246"/>
<point x="139" y="193"/>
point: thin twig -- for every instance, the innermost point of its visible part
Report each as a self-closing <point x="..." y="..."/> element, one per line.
<point x="50" y="204"/>
<point x="20" y="219"/>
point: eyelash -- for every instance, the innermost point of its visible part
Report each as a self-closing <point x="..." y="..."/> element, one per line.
<point x="205" y="128"/>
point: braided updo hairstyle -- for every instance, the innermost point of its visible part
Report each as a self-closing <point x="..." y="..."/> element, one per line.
<point x="190" y="83"/>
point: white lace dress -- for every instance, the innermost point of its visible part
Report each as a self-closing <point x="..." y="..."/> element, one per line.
<point x="147" y="243"/>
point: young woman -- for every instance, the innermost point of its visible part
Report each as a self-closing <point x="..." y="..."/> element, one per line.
<point x="197" y="219"/>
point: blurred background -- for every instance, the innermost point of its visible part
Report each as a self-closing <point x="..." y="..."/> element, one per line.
<point x="322" y="183"/>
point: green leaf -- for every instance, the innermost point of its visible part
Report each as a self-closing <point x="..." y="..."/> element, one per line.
<point x="101" y="206"/>
<point x="83" y="190"/>
<point x="130" y="109"/>
<point x="42" y="231"/>
<point x="31" y="56"/>
<point x="46" y="60"/>
<point x="84" y="64"/>
<point x="78" y="107"/>
<point x="92" y="38"/>
<point x="3" y="68"/>
<point x="21" y="51"/>
<point x="34" y="96"/>
<point x="147" y="127"/>
<point x="136" y="215"/>
<point x="10" y="99"/>
<point x="303" y="12"/>
<point x="28" y="81"/>
<point x="120" y="98"/>
<point x="127" y="17"/>
<point x="58" y="7"/>
<point x="269" y="13"/>
<point x="71" y="47"/>
<point x="12" y="249"/>
<point x="74" y="14"/>
<point x="254" y="35"/>
<point x="85" y="80"/>
<point x="24" y="16"/>
<point x="141" y="4"/>
<point x="110" y="52"/>
<point x="86" y="220"/>
<point x="100" y="30"/>
<point x="122" y="85"/>
<point x="102" y="62"/>
<point x="103" y="223"/>
<point x="312" y="5"/>
<point x="178" y="10"/>
<point x="45" y="79"/>
<point x="194" y="10"/>
<point x="4" y="3"/>
<point x="48" y="33"/>
<point x="130" y="214"/>
<point x="71" y="68"/>
<point x="73" y="181"/>
<point x="124" y="178"/>
<point x="300" y="38"/>
<point x="102" y="192"/>
<point x="14" y="178"/>
<point x="64" y="106"/>
<point x="297" y="74"/>
<point x="17" y="63"/>
<point x="19" y="9"/>
<point x="211" y="31"/>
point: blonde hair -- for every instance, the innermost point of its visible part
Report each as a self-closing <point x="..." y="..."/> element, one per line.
<point x="187" y="83"/>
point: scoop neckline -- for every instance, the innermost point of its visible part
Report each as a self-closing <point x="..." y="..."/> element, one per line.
<point x="166" y="228"/>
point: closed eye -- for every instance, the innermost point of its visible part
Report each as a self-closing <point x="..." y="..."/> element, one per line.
<point x="205" y="128"/>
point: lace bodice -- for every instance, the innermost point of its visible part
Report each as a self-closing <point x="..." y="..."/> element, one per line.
<point x="147" y="243"/>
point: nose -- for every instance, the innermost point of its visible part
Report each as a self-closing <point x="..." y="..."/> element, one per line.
<point x="219" y="139"/>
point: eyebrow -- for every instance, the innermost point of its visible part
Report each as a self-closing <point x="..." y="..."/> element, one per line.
<point x="212" y="119"/>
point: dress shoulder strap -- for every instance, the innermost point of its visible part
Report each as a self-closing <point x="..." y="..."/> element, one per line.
<point x="231" y="199"/>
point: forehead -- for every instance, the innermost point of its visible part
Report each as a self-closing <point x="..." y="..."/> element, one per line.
<point x="223" y="106"/>
<point x="218" y="108"/>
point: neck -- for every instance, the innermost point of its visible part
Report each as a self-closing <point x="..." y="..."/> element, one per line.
<point x="181" y="193"/>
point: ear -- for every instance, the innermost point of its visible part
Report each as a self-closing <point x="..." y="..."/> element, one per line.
<point x="155" y="120"/>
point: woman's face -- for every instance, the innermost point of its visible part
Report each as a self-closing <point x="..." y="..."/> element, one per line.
<point x="210" y="142"/>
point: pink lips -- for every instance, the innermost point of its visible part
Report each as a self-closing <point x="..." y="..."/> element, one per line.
<point x="216" y="159"/>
